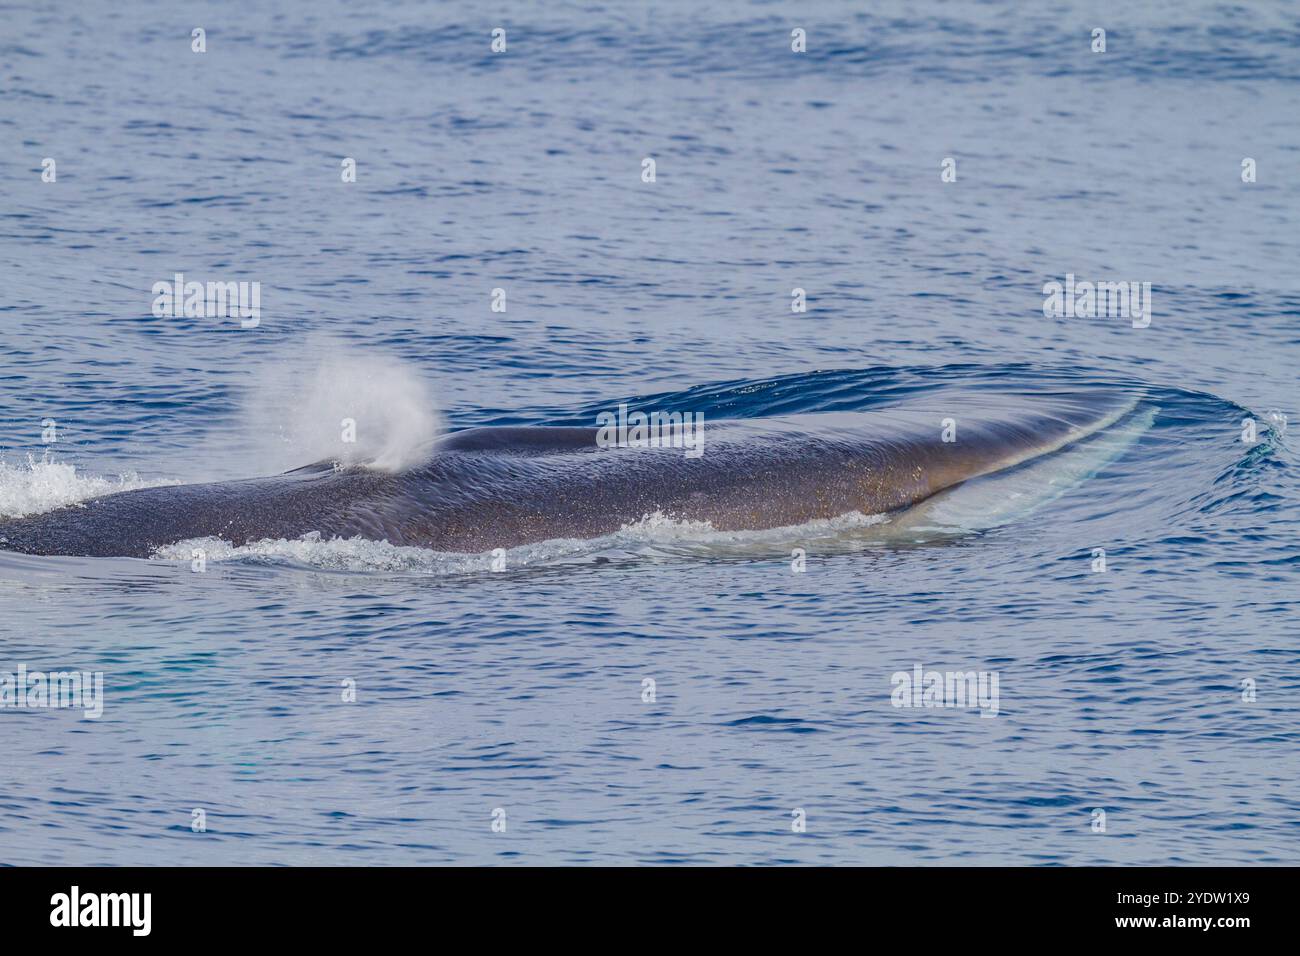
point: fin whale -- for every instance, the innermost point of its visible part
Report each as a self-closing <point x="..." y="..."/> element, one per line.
<point x="499" y="487"/>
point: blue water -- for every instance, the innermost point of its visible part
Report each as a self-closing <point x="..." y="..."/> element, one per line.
<point x="522" y="689"/>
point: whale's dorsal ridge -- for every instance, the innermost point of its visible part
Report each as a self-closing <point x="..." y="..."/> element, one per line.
<point x="520" y="440"/>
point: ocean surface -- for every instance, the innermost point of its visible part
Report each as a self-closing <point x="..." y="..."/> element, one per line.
<point x="503" y="716"/>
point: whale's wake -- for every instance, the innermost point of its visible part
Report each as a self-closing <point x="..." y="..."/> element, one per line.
<point x="655" y="535"/>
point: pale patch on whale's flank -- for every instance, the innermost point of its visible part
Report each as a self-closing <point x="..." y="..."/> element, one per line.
<point x="43" y="484"/>
<point x="297" y="411"/>
<point x="659" y="528"/>
<point x="1013" y="495"/>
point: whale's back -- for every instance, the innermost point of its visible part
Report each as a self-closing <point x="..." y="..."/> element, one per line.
<point x="485" y="488"/>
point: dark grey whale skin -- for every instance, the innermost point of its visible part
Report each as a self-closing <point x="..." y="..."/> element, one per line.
<point x="486" y="488"/>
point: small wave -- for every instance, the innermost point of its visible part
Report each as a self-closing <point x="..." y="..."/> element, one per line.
<point x="654" y="532"/>
<point x="43" y="484"/>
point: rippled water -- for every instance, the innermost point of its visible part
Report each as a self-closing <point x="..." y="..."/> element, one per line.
<point x="523" y="689"/>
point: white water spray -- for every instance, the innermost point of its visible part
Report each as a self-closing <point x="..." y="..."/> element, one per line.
<point x="44" y="484"/>
<point x="335" y="403"/>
